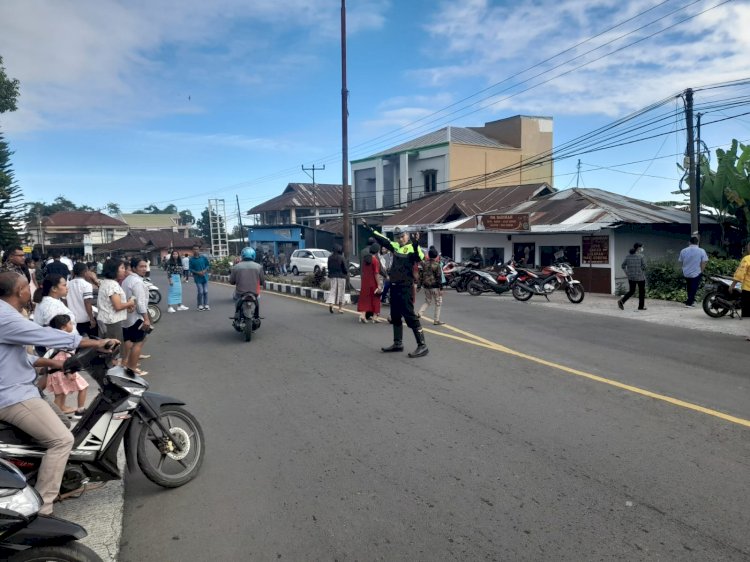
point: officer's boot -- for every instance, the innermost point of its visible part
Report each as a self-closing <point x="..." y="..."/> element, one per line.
<point x="421" y="350"/>
<point x="398" y="336"/>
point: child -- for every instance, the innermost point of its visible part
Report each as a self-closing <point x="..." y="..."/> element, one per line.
<point x="58" y="382"/>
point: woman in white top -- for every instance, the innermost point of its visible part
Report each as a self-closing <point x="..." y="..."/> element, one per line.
<point x="54" y="287"/>
<point x="113" y="308"/>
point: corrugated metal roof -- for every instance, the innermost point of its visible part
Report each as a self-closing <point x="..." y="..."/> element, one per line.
<point x="148" y="220"/>
<point x="456" y="135"/>
<point x="81" y="218"/>
<point x="305" y="195"/>
<point x="434" y="209"/>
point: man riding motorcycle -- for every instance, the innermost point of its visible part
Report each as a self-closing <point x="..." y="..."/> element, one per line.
<point x="248" y="277"/>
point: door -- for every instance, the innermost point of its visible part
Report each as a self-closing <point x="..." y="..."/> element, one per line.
<point x="446" y="245"/>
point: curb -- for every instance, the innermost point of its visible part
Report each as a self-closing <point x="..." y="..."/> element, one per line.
<point x="289" y="289"/>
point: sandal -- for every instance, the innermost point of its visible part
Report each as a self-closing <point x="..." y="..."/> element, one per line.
<point x="140" y="372"/>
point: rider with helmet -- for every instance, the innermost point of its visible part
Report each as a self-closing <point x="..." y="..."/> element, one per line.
<point x="248" y="277"/>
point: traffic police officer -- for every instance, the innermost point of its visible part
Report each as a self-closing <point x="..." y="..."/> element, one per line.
<point x="406" y="254"/>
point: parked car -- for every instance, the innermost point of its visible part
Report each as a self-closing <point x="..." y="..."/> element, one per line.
<point x="308" y="260"/>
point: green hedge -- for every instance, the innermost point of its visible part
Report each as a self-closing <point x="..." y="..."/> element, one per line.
<point x="664" y="278"/>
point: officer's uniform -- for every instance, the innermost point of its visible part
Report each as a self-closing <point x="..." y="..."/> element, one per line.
<point x="402" y="280"/>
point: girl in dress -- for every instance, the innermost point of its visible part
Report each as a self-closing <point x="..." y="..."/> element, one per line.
<point x="60" y="384"/>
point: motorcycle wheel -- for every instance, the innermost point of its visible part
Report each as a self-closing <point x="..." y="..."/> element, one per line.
<point x="69" y="552"/>
<point x="575" y="293"/>
<point x="521" y="293"/>
<point x="154" y="312"/>
<point x="158" y="459"/>
<point x="711" y="308"/>
<point x="475" y="288"/>
<point x="154" y="296"/>
<point x="248" y="329"/>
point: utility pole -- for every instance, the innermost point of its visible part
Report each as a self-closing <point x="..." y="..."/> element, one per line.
<point x="344" y="136"/>
<point x="315" y="205"/>
<point x="578" y="172"/>
<point x="698" y="168"/>
<point x="694" y="202"/>
<point x="239" y="218"/>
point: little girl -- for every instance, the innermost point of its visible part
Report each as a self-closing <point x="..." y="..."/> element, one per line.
<point x="58" y="382"/>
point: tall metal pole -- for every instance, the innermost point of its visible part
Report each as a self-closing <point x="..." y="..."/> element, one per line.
<point x="694" y="203"/>
<point x="344" y="135"/>
<point x="315" y="205"/>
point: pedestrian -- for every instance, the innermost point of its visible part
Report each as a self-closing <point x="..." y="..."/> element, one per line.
<point x="20" y="403"/>
<point x="742" y="275"/>
<point x="15" y="260"/>
<point x="59" y="383"/>
<point x="366" y="250"/>
<point x="54" y="289"/>
<point x="430" y="279"/>
<point x="368" y="304"/>
<point x="137" y="324"/>
<point x="337" y="274"/>
<point x="406" y="255"/>
<point x="57" y="266"/>
<point x="199" y="267"/>
<point x="81" y="301"/>
<point x="186" y="267"/>
<point x="111" y="302"/>
<point x="693" y="260"/>
<point x="282" y="262"/>
<point x="386" y="259"/>
<point x="476" y="259"/>
<point x="174" y="276"/>
<point x="635" y="266"/>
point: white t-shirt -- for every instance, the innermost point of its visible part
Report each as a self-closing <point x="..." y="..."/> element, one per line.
<point x="49" y="308"/>
<point x="185" y="262"/>
<point x="134" y="287"/>
<point x="79" y="290"/>
<point x="107" y="312"/>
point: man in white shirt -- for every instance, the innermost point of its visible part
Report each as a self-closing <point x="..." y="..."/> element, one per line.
<point x="138" y="323"/>
<point x="81" y="300"/>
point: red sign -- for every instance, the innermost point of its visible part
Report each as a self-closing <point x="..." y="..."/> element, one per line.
<point x="514" y="223"/>
<point x="596" y="249"/>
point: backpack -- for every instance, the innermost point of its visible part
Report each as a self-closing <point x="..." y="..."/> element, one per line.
<point x="429" y="276"/>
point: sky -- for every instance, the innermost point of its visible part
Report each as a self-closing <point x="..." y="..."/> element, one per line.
<point x="144" y="102"/>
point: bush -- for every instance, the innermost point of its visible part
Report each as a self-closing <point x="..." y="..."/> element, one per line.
<point x="664" y="278"/>
<point x="315" y="279"/>
<point x="222" y="266"/>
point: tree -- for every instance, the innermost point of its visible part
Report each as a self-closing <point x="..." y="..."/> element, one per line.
<point x="60" y="204"/>
<point x="204" y="225"/>
<point x="186" y="218"/>
<point x="10" y="193"/>
<point x="113" y="208"/>
<point x="152" y="209"/>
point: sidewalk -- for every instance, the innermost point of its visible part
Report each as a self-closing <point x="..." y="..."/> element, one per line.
<point x="667" y="313"/>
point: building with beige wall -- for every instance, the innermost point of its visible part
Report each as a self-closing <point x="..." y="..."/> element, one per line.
<point x="501" y="153"/>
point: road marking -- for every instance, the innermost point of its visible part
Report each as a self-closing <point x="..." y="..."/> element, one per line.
<point x="468" y="337"/>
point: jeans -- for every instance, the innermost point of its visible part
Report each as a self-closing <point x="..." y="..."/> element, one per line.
<point x="38" y="419"/>
<point x="202" y="289"/>
<point x="692" y="289"/>
<point x="641" y="293"/>
<point x="386" y="290"/>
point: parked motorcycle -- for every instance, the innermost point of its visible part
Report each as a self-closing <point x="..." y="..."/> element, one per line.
<point x="160" y="436"/>
<point x="154" y="294"/>
<point x="25" y="535"/>
<point x="486" y="281"/>
<point x="547" y="281"/>
<point x="719" y="300"/>
<point x="458" y="275"/>
<point x="244" y="315"/>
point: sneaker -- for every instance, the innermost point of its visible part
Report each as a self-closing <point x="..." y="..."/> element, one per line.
<point x="689" y="306"/>
<point x="200" y="307"/>
<point x="171" y="310"/>
<point x="619" y="303"/>
<point x="182" y="307"/>
<point x="206" y="307"/>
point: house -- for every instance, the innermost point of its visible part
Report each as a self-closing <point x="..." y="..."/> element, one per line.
<point x="590" y="228"/>
<point x="453" y="158"/>
<point x="155" y="245"/>
<point x="159" y="221"/>
<point x="76" y="233"/>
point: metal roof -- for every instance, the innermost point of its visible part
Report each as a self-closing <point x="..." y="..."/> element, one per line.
<point x="81" y="218"/>
<point x="303" y="195"/>
<point x="149" y="220"/>
<point x="446" y="135"/>
<point x="452" y="204"/>
<point x="585" y="210"/>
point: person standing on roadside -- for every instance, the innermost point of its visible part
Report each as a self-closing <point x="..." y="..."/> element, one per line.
<point x="80" y="301"/>
<point x="742" y="275"/>
<point x="111" y="302"/>
<point x="406" y="256"/>
<point x="386" y="259"/>
<point x="693" y="260"/>
<point x="199" y="267"/>
<point x="56" y="266"/>
<point x="635" y="266"/>
<point x="186" y="267"/>
<point x="138" y="322"/>
<point x="337" y="274"/>
<point x="174" y="276"/>
<point x="430" y="279"/>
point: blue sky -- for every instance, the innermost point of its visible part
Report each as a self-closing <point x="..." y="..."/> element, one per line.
<point x="160" y="101"/>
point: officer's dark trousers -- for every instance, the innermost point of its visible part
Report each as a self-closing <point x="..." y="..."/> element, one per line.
<point x="402" y="305"/>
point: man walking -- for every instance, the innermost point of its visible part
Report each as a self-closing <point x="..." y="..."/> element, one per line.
<point x="199" y="267"/>
<point x="406" y="255"/>
<point x="693" y="260"/>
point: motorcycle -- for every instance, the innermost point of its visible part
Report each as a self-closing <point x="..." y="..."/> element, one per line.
<point x="719" y="300"/>
<point x="244" y="319"/>
<point x="154" y="294"/>
<point x="551" y="278"/>
<point x="25" y="535"/>
<point x="486" y="281"/>
<point x="458" y="275"/>
<point x="160" y="436"/>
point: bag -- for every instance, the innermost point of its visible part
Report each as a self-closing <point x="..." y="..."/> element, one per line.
<point x="429" y="279"/>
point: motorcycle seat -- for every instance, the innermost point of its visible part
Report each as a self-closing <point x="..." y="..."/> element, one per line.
<point x="11" y="435"/>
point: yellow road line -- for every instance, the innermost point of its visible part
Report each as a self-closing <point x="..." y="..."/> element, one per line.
<point x="479" y="341"/>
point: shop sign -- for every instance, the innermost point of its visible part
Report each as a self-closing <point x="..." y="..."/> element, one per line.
<point x="512" y="222"/>
<point x="596" y="249"/>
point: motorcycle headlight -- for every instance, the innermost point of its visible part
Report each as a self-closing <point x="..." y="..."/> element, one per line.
<point x="27" y="501"/>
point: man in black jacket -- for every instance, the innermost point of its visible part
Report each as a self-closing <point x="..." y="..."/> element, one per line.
<point x="406" y="255"/>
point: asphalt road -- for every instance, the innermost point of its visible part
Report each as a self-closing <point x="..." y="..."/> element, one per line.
<point x="322" y="448"/>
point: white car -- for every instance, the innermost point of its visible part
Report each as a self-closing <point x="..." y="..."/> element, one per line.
<point x="308" y="260"/>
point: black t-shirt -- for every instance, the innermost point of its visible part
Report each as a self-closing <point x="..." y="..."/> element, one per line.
<point x="57" y="267"/>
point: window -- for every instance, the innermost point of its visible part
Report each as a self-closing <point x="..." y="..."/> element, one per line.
<point x="430" y="181"/>
<point x="570" y="254"/>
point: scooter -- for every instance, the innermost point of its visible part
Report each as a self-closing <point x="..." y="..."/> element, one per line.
<point x="244" y="319"/>
<point x="154" y="293"/>
<point x="25" y="535"/>
<point x="486" y="281"/>
<point x="719" y="300"/>
<point x="551" y="278"/>
<point x="458" y="275"/>
<point x="160" y="436"/>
